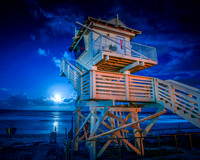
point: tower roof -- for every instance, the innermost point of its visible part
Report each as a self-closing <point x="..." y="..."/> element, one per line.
<point x="115" y="22"/>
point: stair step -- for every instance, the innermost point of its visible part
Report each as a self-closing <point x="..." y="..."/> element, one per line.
<point x="184" y="114"/>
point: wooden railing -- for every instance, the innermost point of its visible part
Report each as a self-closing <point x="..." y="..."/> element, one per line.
<point x="123" y="87"/>
<point x="101" y="85"/>
<point x="179" y="96"/>
<point x="120" y="87"/>
<point x="127" y="48"/>
<point x="180" y="99"/>
<point x="72" y="73"/>
<point x="85" y="92"/>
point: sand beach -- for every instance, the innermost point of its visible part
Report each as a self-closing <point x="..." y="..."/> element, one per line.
<point x="39" y="147"/>
<point x="31" y="147"/>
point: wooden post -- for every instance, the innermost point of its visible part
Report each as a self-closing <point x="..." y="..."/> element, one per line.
<point x="191" y="143"/>
<point x="176" y="144"/>
<point x="92" y="144"/>
<point x="72" y="143"/>
<point x="159" y="144"/>
<point x="120" y="151"/>
<point x="138" y="139"/>
<point x="198" y="100"/>
<point x="141" y="148"/>
<point x="171" y="91"/>
<point x="92" y="47"/>
<point x="94" y="84"/>
<point x="81" y="96"/>
<point x="126" y="86"/>
<point x="68" y="71"/>
<point x="62" y="68"/>
<point x="75" y="85"/>
<point x="77" y="123"/>
<point x="155" y="91"/>
<point x="91" y="84"/>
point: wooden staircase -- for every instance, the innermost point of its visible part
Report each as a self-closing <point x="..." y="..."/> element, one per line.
<point x="72" y="73"/>
<point x="179" y="98"/>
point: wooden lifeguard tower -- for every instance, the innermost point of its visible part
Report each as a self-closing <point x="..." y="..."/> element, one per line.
<point x="105" y="60"/>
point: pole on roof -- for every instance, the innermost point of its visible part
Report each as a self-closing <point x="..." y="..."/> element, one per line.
<point x="117" y="20"/>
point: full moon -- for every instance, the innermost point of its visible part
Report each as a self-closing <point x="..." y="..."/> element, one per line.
<point x="57" y="98"/>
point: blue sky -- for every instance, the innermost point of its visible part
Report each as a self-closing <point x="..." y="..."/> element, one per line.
<point x="35" y="34"/>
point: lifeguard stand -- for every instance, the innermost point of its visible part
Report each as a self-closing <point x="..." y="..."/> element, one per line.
<point x="105" y="59"/>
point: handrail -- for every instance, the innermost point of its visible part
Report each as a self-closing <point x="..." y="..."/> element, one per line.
<point x="184" y="85"/>
<point x="82" y="65"/>
<point x="73" y="74"/>
<point x="181" y="99"/>
<point x="103" y="44"/>
<point x="117" y="73"/>
<point x="132" y="42"/>
<point x="111" y="39"/>
<point x="73" y="66"/>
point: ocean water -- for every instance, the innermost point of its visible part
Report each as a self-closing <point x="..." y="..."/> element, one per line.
<point x="36" y="119"/>
<point x="44" y="119"/>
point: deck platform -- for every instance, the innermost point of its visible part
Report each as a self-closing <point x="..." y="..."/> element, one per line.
<point x="114" y="62"/>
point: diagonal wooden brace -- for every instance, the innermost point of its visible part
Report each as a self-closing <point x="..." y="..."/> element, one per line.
<point x="81" y="138"/>
<point x="87" y="118"/>
<point x="98" y="123"/>
<point x="123" y="121"/>
<point x="117" y="133"/>
<point x="128" y="143"/>
<point x="82" y="116"/>
<point x="104" y="148"/>
<point x="151" y="123"/>
<point x="128" y="125"/>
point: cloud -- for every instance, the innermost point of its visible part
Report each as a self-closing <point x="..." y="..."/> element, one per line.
<point x="33" y="8"/>
<point x="4" y="89"/>
<point x="42" y="52"/>
<point x="41" y="101"/>
<point x="56" y="61"/>
<point x="74" y="95"/>
<point x="67" y="56"/>
<point x="4" y="93"/>
<point x="62" y="20"/>
<point x="72" y="98"/>
<point x="21" y="99"/>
